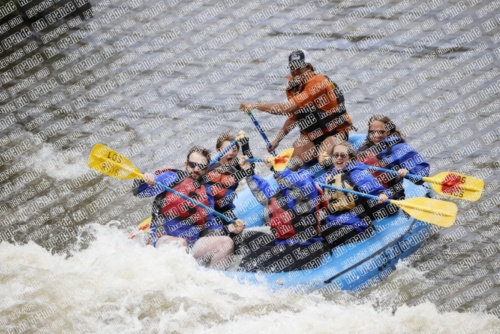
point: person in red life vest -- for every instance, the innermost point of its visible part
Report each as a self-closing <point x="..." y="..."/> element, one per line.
<point x="291" y="212"/>
<point x="225" y="175"/>
<point x="176" y="220"/>
<point x="385" y="147"/>
<point x="315" y="103"/>
<point x="348" y="218"/>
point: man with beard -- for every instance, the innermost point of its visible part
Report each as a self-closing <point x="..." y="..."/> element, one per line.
<point x="315" y="104"/>
<point x="176" y="220"/>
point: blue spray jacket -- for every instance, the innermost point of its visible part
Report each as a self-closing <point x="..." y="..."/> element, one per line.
<point x="290" y="207"/>
<point x="393" y="153"/>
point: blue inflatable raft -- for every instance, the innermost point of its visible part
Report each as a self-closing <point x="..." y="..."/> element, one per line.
<point x="353" y="266"/>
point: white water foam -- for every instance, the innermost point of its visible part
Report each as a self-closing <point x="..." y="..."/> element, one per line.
<point x="60" y="165"/>
<point x="117" y="285"/>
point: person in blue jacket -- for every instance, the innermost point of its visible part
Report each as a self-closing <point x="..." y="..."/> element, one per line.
<point x="385" y="147"/>
<point x="176" y="220"/>
<point x="348" y="214"/>
<point x="292" y="212"/>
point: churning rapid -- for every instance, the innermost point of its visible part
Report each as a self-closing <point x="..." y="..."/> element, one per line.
<point x="118" y="285"/>
<point x="152" y="78"/>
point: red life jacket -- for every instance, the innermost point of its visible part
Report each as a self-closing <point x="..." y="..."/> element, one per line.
<point x="369" y="158"/>
<point x="176" y="207"/>
<point x="221" y="180"/>
<point x="286" y="223"/>
<point x="281" y="220"/>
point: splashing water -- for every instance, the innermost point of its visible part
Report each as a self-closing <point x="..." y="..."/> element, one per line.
<point x="60" y="165"/>
<point x="119" y="285"/>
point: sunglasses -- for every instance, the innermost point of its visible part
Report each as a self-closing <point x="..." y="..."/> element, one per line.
<point x="378" y="132"/>
<point x="195" y="164"/>
<point x="340" y="155"/>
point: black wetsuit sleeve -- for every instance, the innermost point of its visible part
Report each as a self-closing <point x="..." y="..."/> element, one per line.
<point x="136" y="185"/>
<point x="245" y="147"/>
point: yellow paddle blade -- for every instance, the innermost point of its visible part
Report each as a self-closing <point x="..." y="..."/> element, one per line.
<point x="432" y="211"/>
<point x="142" y="227"/>
<point x="281" y="160"/>
<point x="456" y="185"/>
<point x="145" y="225"/>
<point x="109" y="162"/>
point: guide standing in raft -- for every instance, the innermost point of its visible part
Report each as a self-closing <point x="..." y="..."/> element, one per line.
<point x="315" y="104"/>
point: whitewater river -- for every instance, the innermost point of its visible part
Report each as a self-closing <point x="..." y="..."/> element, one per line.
<point x="151" y="78"/>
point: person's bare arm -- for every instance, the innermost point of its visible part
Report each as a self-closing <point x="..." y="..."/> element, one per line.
<point x="280" y="108"/>
<point x="285" y="129"/>
<point x="275" y="108"/>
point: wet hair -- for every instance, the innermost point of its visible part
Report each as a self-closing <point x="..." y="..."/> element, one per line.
<point x="350" y="150"/>
<point x="225" y="136"/>
<point x="201" y="150"/>
<point x="388" y="125"/>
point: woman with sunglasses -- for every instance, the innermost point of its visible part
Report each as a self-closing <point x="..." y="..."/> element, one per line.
<point x="176" y="220"/>
<point x="348" y="214"/>
<point x="385" y="147"/>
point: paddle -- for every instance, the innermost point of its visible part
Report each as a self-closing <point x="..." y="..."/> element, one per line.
<point x="104" y="160"/>
<point x="262" y="133"/>
<point x="280" y="161"/>
<point x="449" y="184"/>
<point x="143" y="226"/>
<point x="433" y="211"/>
<point x="224" y="151"/>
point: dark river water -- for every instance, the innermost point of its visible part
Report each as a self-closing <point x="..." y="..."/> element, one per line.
<point x="152" y="78"/>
